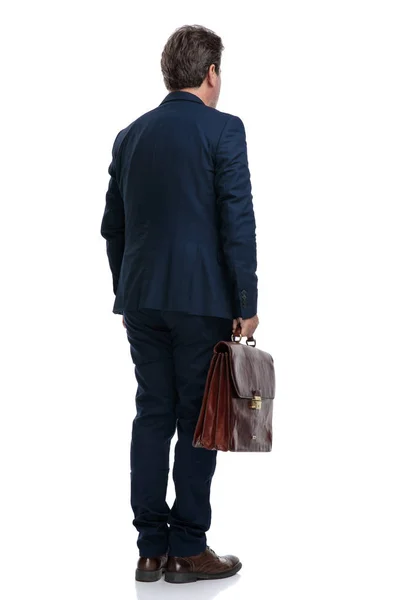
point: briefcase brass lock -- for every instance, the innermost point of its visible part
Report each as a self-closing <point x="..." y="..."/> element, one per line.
<point x="255" y="403"/>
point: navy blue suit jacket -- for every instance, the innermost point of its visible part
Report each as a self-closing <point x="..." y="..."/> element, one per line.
<point x="179" y="219"/>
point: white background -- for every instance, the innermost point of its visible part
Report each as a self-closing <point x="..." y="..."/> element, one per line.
<point x="317" y="86"/>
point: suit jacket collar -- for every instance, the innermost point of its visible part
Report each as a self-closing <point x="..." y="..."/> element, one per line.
<point x="182" y="96"/>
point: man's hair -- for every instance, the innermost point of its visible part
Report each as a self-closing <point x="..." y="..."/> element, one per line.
<point x="187" y="56"/>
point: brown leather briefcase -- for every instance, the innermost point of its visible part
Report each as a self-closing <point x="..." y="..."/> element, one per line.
<point x="236" y="413"/>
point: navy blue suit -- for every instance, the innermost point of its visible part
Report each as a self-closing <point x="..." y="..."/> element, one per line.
<point x="179" y="220"/>
<point x="181" y="244"/>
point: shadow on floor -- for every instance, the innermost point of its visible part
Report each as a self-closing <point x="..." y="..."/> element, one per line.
<point x="200" y="590"/>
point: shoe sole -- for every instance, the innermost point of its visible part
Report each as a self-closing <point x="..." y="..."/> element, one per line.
<point x="148" y="576"/>
<point x="172" y="577"/>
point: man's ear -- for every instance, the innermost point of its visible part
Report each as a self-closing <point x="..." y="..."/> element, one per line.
<point x="212" y="75"/>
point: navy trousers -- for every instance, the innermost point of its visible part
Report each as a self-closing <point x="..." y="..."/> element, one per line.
<point x="171" y="352"/>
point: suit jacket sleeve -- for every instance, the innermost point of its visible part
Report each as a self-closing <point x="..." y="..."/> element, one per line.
<point x="237" y="221"/>
<point x="113" y="222"/>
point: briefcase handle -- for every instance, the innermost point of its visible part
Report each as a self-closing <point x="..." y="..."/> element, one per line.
<point x="237" y="334"/>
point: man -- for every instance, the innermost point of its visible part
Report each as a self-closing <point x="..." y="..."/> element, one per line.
<point x="181" y="244"/>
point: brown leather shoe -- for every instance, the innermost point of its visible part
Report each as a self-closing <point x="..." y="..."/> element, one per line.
<point x="207" y="565"/>
<point x="151" y="569"/>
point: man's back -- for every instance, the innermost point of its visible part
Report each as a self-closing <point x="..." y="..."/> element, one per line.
<point x="180" y="186"/>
